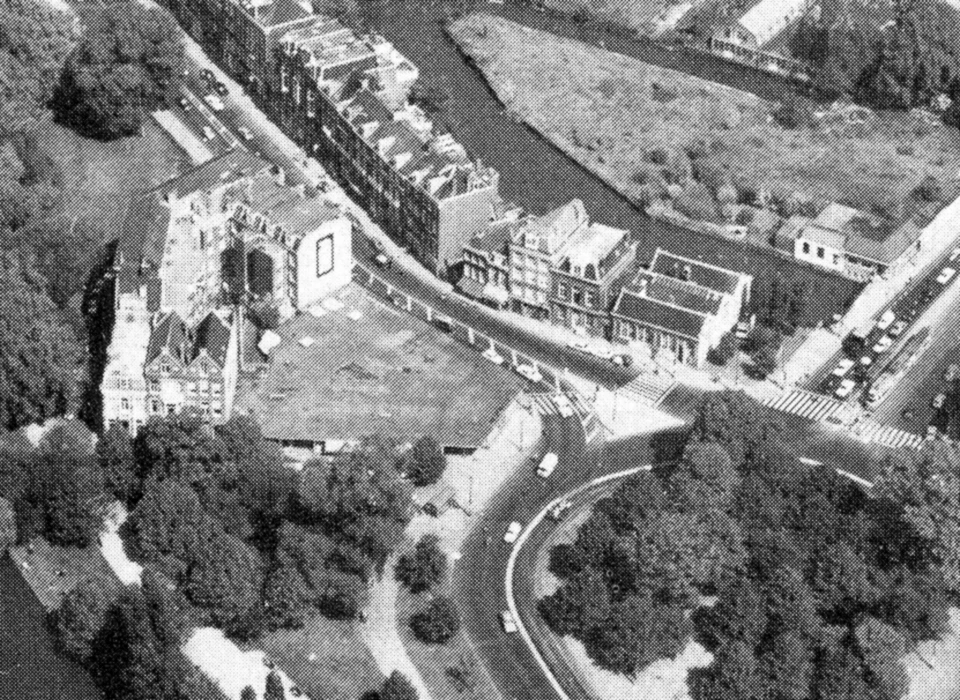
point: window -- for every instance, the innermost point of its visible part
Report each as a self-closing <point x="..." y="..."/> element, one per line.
<point x="561" y="290"/>
<point x="806" y="248"/>
<point x="324" y="255"/>
<point x="820" y="252"/>
<point x="836" y="259"/>
<point x="154" y="406"/>
<point x="124" y="404"/>
<point x="577" y="296"/>
<point x="164" y="367"/>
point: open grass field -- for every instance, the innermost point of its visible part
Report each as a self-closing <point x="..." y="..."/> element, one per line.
<point x="651" y="132"/>
<point x="645" y="16"/>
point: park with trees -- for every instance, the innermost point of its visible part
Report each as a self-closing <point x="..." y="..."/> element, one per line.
<point x="799" y="581"/>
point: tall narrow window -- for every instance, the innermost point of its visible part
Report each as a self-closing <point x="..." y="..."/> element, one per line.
<point x="324" y="255"/>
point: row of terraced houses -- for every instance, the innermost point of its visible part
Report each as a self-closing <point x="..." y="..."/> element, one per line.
<point x="343" y="98"/>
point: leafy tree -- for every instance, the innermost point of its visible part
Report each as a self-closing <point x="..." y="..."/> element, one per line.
<point x="398" y="687"/>
<point x="578" y="605"/>
<point x="732" y="676"/>
<point x="790" y="605"/>
<point x="706" y="472"/>
<point x="285" y="596"/>
<point x="123" y="68"/>
<point x="80" y="617"/>
<point x="736" y="423"/>
<point x="274" y="688"/>
<point x="225" y="580"/>
<point x="167" y="609"/>
<point x="426" y="462"/>
<point x="764" y="361"/>
<point x="115" y="452"/>
<point x="882" y="649"/>
<point x="436" y="623"/>
<point x="738" y="616"/>
<point x="40" y="363"/>
<point x="840" y="676"/>
<point x="248" y="693"/>
<point x="423" y="568"/>
<point x="636" y="633"/>
<point x="787" y="667"/>
<point x="725" y="350"/>
<point x="8" y="524"/>
<point x="169" y="524"/>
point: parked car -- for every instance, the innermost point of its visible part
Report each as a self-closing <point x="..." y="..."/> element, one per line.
<point x="939" y="400"/>
<point x="492" y="355"/>
<point x="559" y="510"/>
<point x="220" y="89"/>
<point x="623" y="360"/>
<point x="185" y="104"/>
<point x="955" y="254"/>
<point x="529" y="372"/>
<point x="444" y="323"/>
<point x="886" y="320"/>
<point x="952" y="373"/>
<point x="843" y="367"/>
<point x="507" y="622"/>
<point x="897" y="329"/>
<point x="245" y="133"/>
<point x="215" y="103"/>
<point x="883" y="344"/>
<point x="547" y="465"/>
<point x="563" y="406"/>
<point x="579" y="345"/>
<point x="845" y="389"/>
<point x="206" y="75"/>
<point x="946" y="274"/>
<point x="513" y="532"/>
<point x="384" y="261"/>
<point x="932" y="432"/>
<point x="602" y="353"/>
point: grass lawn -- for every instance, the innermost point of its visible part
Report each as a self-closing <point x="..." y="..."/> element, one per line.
<point x="326" y="658"/>
<point x="52" y="572"/>
<point x="642" y="15"/>
<point x="100" y="177"/>
<point x="452" y="670"/>
<point x="643" y="128"/>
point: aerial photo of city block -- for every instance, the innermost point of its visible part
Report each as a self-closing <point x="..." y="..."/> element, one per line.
<point x="480" y="349"/>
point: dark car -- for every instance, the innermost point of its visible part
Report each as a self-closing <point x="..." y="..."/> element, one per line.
<point x="206" y="75"/>
<point x="220" y="89"/>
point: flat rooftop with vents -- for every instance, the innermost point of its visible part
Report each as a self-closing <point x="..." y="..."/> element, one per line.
<point x="353" y="366"/>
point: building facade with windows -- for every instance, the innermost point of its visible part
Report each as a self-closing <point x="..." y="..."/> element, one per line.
<point x="587" y="277"/>
<point x="680" y="306"/>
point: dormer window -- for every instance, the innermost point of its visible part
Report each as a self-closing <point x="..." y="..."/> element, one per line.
<point x="164" y="367"/>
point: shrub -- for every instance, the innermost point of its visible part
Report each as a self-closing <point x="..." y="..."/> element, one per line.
<point x="426" y="462"/>
<point x="423" y="568"/>
<point x="725" y="350"/>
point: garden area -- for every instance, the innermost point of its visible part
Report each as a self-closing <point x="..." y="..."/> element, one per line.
<point x="798" y="582"/>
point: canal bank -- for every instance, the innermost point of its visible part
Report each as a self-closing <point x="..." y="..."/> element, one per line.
<point x="31" y="667"/>
<point x="539" y="177"/>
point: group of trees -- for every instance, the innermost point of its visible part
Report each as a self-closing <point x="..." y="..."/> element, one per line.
<point x="893" y="60"/>
<point x="422" y="571"/>
<point x="124" y="67"/>
<point x="130" y="640"/>
<point x="820" y="588"/>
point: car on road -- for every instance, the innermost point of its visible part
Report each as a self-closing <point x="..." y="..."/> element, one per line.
<point x="245" y="133"/>
<point x="185" y="104"/>
<point x="444" y="323"/>
<point x="946" y="274"/>
<point x="215" y="103"/>
<point x="886" y="320"/>
<point x="602" y="353"/>
<point x="513" y="532"/>
<point x="939" y="400"/>
<point x="529" y="372"/>
<point x="579" y="345"/>
<point x="220" y="89"/>
<point x="208" y="133"/>
<point x="843" y="367"/>
<point x="883" y="344"/>
<point x="559" y="510"/>
<point x="493" y="356"/>
<point x="384" y="261"/>
<point x="564" y="408"/>
<point x="955" y="254"/>
<point x="952" y="373"/>
<point x="547" y="465"/>
<point x="907" y="413"/>
<point x="507" y="622"/>
<point x="931" y="432"/>
<point x="622" y="360"/>
<point x="845" y="389"/>
<point x="206" y="75"/>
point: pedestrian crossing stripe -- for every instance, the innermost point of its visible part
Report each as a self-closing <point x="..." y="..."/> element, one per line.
<point x="888" y="436"/>
<point x="805" y="404"/>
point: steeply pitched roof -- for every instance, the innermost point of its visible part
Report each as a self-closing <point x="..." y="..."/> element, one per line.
<point x="212" y="335"/>
<point x="700" y="273"/>
<point x="651" y="312"/>
<point x="169" y="334"/>
<point x="144" y="232"/>
<point x="684" y="295"/>
<point x="223" y="170"/>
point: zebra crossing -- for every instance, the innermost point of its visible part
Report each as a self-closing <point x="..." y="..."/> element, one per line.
<point x="806" y="404"/>
<point x="887" y="435"/>
<point x="544" y="404"/>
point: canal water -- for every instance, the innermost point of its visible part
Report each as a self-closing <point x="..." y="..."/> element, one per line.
<point x="538" y="177"/>
<point x="31" y="668"/>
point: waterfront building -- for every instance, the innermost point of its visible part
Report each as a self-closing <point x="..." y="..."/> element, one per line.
<point x="587" y="277"/>
<point x="763" y="22"/>
<point x="485" y="267"/>
<point x="680" y="306"/>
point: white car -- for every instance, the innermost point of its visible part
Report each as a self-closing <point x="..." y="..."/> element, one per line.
<point x="579" y="345"/>
<point x="602" y="353"/>
<point x="883" y="344"/>
<point x="897" y="329"/>
<point x="513" y="532"/>
<point x="845" y="389"/>
<point x="843" y="367"/>
<point x="946" y="274"/>
<point x="888" y="317"/>
<point x="508" y="623"/>
<point x="563" y="406"/>
<point x="955" y="254"/>
<point x="547" y="465"/>
<point x="492" y="355"/>
<point x="208" y="133"/>
<point x="529" y="372"/>
<point x="245" y="133"/>
<point x="215" y="103"/>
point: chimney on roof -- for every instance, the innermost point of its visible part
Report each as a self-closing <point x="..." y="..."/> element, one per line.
<point x="279" y="175"/>
<point x="687" y="273"/>
<point x="643" y="287"/>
